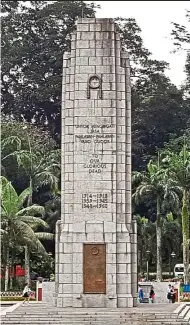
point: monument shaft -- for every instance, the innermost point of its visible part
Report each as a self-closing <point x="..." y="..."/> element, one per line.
<point x="96" y="257"/>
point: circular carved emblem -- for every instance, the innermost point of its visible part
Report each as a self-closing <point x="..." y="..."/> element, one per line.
<point x="94" y="82"/>
<point x="94" y="250"/>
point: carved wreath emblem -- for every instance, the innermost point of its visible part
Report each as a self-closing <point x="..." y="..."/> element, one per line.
<point x="94" y="82"/>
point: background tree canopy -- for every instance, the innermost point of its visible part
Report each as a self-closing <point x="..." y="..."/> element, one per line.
<point x="35" y="34"/>
<point x="34" y="39"/>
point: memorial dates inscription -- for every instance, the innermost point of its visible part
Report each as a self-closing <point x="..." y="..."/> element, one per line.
<point x="94" y="200"/>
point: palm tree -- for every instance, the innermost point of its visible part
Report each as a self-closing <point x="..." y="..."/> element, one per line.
<point x="154" y="185"/>
<point x="172" y="238"/>
<point x="178" y="168"/>
<point x="17" y="222"/>
<point x="40" y="169"/>
<point x="145" y="238"/>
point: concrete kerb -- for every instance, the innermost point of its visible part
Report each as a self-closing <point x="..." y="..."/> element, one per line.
<point x="179" y="309"/>
<point x="11" y="308"/>
<point x="183" y="311"/>
<point x="15" y="306"/>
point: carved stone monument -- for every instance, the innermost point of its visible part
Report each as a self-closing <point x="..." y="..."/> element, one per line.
<point x="96" y="240"/>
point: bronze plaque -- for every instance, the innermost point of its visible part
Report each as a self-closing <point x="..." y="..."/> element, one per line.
<point x="94" y="268"/>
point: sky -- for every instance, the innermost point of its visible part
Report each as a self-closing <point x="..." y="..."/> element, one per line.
<point x="154" y="18"/>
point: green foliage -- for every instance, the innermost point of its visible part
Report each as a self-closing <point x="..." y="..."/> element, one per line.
<point x="177" y="165"/>
<point x="19" y="132"/>
<point x="176" y="143"/>
<point x="154" y="184"/>
<point x="38" y="166"/>
<point x="185" y="299"/>
<point x="16" y="136"/>
<point x="180" y="33"/>
<point x="181" y="38"/>
<point x="16" y="220"/>
<point x="30" y="70"/>
<point x="155" y="101"/>
<point x="172" y="237"/>
<point x="34" y="39"/>
<point x="53" y="212"/>
<point x="142" y="64"/>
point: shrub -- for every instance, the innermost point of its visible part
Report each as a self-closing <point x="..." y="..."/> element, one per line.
<point x="9" y="298"/>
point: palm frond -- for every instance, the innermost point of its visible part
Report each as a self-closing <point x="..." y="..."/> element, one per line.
<point x="44" y="235"/>
<point x="47" y="178"/>
<point x="9" y="196"/>
<point x="10" y="140"/>
<point x="40" y="248"/>
<point x="24" y="231"/>
<point x="33" y="221"/>
<point x="32" y="210"/>
<point x="23" y="196"/>
<point x="3" y="231"/>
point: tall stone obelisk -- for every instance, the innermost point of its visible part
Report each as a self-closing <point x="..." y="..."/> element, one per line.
<point x="96" y="253"/>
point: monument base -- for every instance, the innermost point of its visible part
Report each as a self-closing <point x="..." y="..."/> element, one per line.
<point x="95" y="301"/>
<point x="77" y="273"/>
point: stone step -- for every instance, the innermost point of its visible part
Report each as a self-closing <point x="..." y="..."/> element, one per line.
<point x="47" y="320"/>
<point x="114" y="322"/>
<point x="28" y="310"/>
<point x="184" y="311"/>
<point x="84" y="315"/>
<point x="93" y="315"/>
<point x="34" y="314"/>
<point x="96" y="322"/>
<point x="34" y="317"/>
<point x="89" y="319"/>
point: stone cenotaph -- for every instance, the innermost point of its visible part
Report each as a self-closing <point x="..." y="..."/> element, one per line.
<point x="96" y="238"/>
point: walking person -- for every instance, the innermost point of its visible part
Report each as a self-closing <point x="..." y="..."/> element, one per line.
<point x="141" y="294"/>
<point x="26" y="294"/>
<point x="151" y="295"/>
<point x="169" y="293"/>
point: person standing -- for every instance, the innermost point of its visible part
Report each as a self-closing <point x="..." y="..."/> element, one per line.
<point x="152" y="294"/>
<point x="172" y="294"/>
<point x="26" y="294"/>
<point x="169" y="292"/>
<point x="141" y="294"/>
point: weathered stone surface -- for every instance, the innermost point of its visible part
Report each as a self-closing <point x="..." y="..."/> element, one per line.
<point x="96" y="170"/>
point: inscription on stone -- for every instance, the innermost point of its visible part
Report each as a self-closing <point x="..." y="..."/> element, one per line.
<point x="95" y="133"/>
<point x="94" y="200"/>
<point x="94" y="165"/>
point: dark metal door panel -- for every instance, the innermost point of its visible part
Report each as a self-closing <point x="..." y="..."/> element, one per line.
<point x="94" y="268"/>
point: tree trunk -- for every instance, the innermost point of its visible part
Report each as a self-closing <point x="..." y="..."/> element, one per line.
<point x="169" y="264"/>
<point x="141" y="261"/>
<point x="159" y="241"/>
<point x="185" y="230"/>
<point x="11" y="276"/>
<point x="29" y="201"/>
<point x="7" y="269"/>
<point x="27" y="254"/>
<point x="27" y="265"/>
